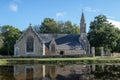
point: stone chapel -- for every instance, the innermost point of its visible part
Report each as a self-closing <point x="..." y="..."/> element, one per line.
<point x="32" y="43"/>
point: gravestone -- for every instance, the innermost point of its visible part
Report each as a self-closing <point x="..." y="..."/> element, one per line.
<point x="93" y="51"/>
<point x="102" y="51"/>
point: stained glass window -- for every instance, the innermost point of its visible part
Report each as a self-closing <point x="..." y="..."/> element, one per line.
<point x="30" y="44"/>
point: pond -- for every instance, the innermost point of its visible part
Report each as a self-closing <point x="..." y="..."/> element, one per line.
<point x="59" y="72"/>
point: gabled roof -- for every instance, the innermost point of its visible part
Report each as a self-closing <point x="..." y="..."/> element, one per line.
<point x="68" y="42"/>
<point x="63" y="41"/>
<point x="30" y="29"/>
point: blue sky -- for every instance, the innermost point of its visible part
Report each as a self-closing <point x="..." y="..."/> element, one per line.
<point x="19" y="13"/>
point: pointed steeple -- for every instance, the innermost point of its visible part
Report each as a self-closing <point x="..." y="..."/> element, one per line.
<point x="83" y="36"/>
<point x="82" y="24"/>
<point x="82" y="18"/>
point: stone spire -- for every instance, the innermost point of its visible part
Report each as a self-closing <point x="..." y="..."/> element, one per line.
<point x="83" y="36"/>
<point x="82" y="17"/>
<point x="82" y="24"/>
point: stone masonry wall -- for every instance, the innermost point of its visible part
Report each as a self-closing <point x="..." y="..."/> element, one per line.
<point x="21" y="44"/>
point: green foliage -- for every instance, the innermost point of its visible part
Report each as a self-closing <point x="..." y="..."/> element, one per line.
<point x="48" y="26"/>
<point x="10" y="35"/>
<point x="117" y="48"/>
<point x="1" y="41"/>
<point x="103" y="33"/>
<point x="97" y="51"/>
<point x="51" y="26"/>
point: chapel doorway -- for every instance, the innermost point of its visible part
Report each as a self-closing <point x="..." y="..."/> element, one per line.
<point x="61" y="52"/>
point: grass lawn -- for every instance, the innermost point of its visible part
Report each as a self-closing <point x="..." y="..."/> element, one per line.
<point x="83" y="60"/>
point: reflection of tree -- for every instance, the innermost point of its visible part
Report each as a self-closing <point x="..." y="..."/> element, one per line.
<point x="6" y="73"/>
<point x="111" y="72"/>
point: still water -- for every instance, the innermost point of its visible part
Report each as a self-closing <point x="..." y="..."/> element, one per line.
<point x="59" y="72"/>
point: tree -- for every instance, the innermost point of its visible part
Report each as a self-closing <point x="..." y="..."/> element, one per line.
<point x="51" y="26"/>
<point x="1" y="41"/>
<point x="10" y="35"/>
<point x="102" y="33"/>
<point x="70" y="28"/>
<point x="117" y="48"/>
<point x="48" y="26"/>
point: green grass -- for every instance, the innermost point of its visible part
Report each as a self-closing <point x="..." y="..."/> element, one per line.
<point x="2" y="62"/>
<point x="87" y="60"/>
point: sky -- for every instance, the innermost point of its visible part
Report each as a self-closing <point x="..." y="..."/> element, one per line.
<point x="20" y="13"/>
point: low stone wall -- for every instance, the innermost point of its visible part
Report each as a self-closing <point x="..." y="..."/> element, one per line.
<point x="51" y="56"/>
<point x="115" y="54"/>
<point x="99" y="51"/>
<point x="71" y="52"/>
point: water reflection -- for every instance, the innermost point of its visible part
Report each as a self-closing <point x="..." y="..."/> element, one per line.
<point x="60" y="72"/>
<point x="6" y="73"/>
<point x="50" y="72"/>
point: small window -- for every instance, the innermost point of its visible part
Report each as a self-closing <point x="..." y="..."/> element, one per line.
<point x="30" y="44"/>
<point x="61" y="52"/>
<point x="53" y="48"/>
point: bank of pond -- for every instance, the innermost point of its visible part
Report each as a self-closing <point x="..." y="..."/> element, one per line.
<point x="84" y="60"/>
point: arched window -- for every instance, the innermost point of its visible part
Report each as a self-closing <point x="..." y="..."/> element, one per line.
<point x="30" y="44"/>
<point x="53" y="48"/>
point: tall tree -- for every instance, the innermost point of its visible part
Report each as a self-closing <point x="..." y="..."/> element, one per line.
<point x="10" y="35"/>
<point x="51" y="26"/>
<point x="102" y="33"/>
<point x="117" y="48"/>
<point x="1" y="41"/>
<point x="48" y="26"/>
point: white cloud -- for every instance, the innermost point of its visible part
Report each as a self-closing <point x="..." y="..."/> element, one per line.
<point x="13" y="7"/>
<point x="60" y="14"/>
<point x="109" y="16"/>
<point x="114" y="22"/>
<point x="89" y="9"/>
<point x="16" y="1"/>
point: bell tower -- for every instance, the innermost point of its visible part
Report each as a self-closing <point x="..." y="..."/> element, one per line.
<point x="83" y="36"/>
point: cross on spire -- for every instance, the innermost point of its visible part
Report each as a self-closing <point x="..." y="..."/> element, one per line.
<point x="30" y="24"/>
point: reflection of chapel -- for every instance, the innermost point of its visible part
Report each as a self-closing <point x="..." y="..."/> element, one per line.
<point x="32" y="43"/>
<point x="51" y="72"/>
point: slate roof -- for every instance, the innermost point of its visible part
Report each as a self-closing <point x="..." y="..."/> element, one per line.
<point x="63" y="41"/>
